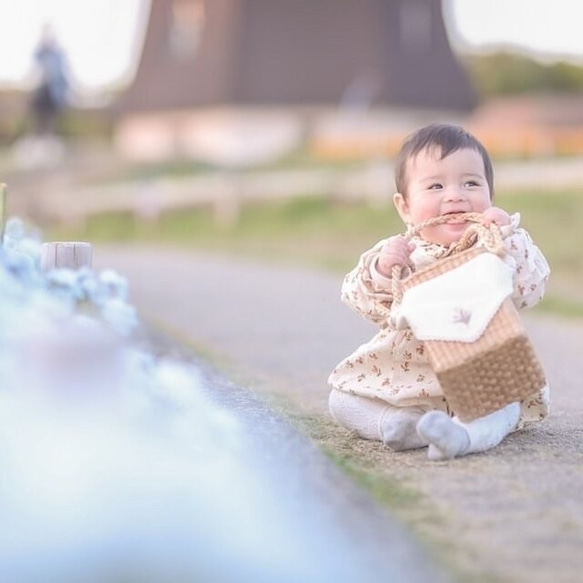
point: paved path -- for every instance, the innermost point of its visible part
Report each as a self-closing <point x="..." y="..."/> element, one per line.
<point x="517" y="511"/>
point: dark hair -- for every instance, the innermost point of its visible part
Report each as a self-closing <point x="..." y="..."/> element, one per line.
<point x="446" y="138"/>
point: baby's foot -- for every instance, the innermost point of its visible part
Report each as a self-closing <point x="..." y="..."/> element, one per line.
<point x="446" y="439"/>
<point x="399" y="430"/>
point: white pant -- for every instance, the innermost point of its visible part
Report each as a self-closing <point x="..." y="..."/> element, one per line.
<point x="363" y="415"/>
<point x="367" y="417"/>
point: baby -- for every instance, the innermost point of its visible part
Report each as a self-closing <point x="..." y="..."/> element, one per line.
<point x="386" y="390"/>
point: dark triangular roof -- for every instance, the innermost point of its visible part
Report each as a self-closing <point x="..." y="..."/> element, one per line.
<point x="299" y="52"/>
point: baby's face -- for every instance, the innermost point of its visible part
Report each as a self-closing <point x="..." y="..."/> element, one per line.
<point x="454" y="184"/>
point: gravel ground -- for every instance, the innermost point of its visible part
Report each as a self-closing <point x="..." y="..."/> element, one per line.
<point x="517" y="510"/>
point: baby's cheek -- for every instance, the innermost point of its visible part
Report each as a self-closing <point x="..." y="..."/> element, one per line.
<point x="425" y="213"/>
<point x="482" y="204"/>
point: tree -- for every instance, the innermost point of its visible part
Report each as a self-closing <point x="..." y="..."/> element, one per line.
<point x="505" y="73"/>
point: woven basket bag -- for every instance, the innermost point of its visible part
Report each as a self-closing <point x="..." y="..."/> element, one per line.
<point x="500" y="367"/>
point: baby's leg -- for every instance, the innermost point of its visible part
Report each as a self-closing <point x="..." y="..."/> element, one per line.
<point x="449" y="438"/>
<point x="376" y="419"/>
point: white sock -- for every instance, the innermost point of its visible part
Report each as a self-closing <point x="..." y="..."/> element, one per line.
<point x="449" y="438"/>
<point x="399" y="429"/>
<point x="446" y="438"/>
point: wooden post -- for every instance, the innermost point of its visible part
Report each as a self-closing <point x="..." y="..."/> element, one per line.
<point x="66" y="255"/>
<point x="227" y="203"/>
<point x="2" y="212"/>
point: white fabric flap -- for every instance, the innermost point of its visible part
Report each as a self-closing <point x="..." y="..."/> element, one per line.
<point x="459" y="304"/>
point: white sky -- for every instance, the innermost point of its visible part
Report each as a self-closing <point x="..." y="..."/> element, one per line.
<point x="554" y="27"/>
<point x="102" y="37"/>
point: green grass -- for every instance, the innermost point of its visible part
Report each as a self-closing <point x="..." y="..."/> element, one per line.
<point x="562" y="306"/>
<point x="390" y="493"/>
<point x="325" y="233"/>
<point x="555" y="221"/>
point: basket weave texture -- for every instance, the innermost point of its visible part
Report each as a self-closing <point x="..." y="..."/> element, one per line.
<point x="501" y="367"/>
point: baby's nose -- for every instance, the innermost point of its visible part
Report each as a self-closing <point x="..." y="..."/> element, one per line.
<point x="453" y="193"/>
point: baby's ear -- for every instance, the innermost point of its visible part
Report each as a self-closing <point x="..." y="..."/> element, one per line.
<point x="401" y="205"/>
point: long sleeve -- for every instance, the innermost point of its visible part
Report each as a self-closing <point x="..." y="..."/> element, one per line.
<point x="367" y="291"/>
<point x="531" y="269"/>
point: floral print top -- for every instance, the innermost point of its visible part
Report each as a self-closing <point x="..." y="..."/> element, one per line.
<point x="393" y="365"/>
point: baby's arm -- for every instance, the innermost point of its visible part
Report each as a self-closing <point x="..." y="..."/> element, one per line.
<point x="367" y="288"/>
<point x="531" y="270"/>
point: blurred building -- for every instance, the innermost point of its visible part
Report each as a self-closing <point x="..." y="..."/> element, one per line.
<point x="238" y="80"/>
<point x="531" y="125"/>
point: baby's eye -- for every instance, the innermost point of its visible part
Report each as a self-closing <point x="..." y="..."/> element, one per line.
<point x="435" y="186"/>
<point x="471" y="183"/>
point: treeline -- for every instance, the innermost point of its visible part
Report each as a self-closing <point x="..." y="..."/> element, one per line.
<point x="505" y="73"/>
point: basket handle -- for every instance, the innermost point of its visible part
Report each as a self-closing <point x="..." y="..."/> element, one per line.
<point x="490" y="236"/>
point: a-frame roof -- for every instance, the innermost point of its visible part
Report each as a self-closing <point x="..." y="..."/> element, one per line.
<point x="297" y="52"/>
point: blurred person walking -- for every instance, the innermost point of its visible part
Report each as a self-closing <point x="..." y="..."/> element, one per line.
<point x="51" y="94"/>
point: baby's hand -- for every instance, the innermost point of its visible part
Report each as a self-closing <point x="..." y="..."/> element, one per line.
<point x="496" y="215"/>
<point x="395" y="251"/>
